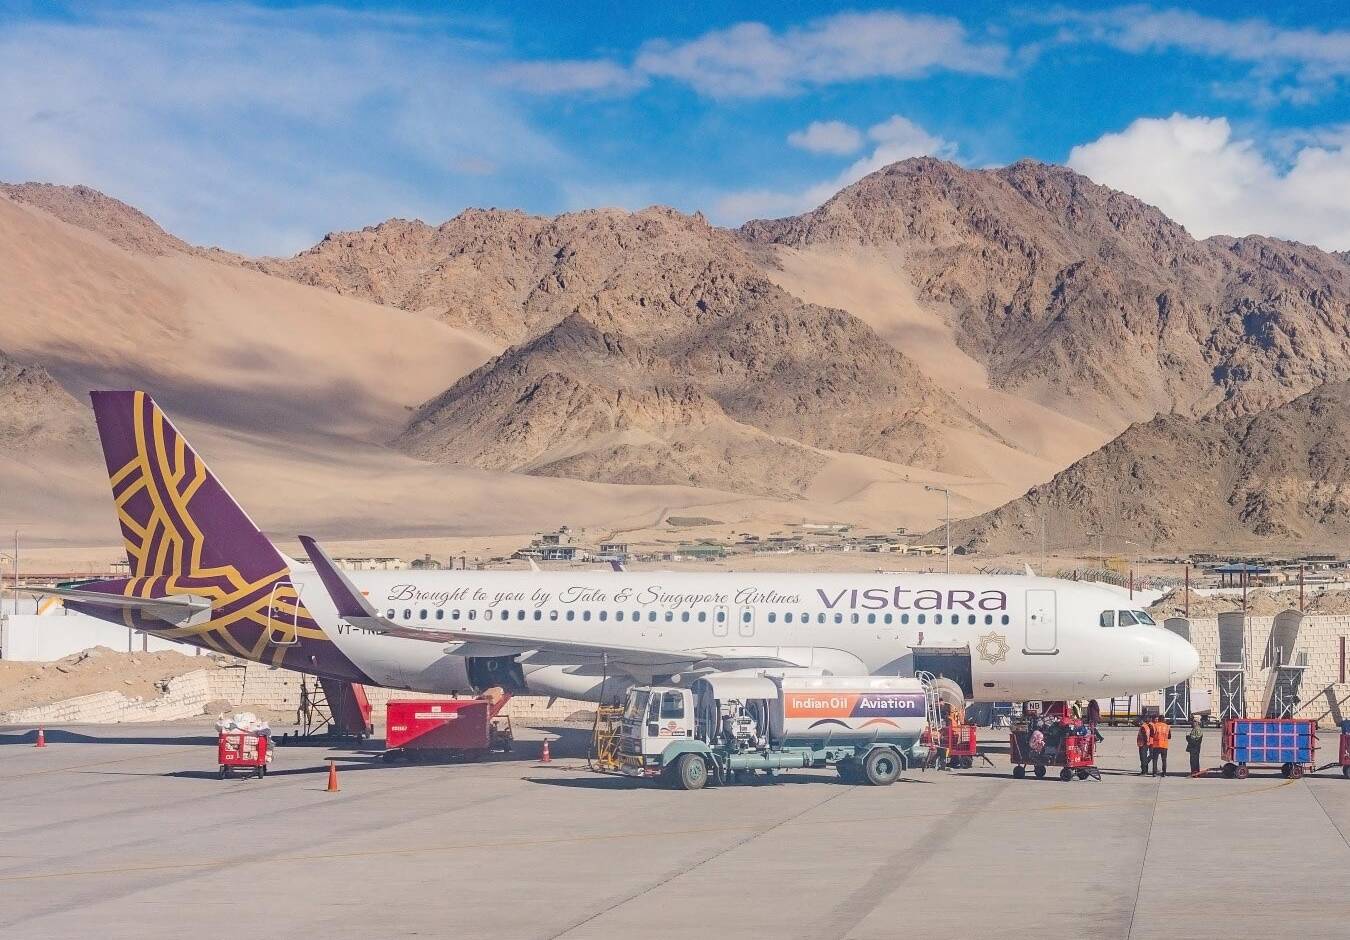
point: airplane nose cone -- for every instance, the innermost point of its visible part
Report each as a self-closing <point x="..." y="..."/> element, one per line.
<point x="1184" y="660"/>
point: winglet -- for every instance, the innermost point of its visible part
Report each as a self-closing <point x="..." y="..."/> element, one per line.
<point x="346" y="598"/>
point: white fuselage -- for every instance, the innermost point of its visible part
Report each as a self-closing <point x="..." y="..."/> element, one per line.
<point x="1022" y="637"/>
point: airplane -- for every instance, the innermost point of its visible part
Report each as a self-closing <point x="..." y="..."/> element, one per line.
<point x="202" y="573"/>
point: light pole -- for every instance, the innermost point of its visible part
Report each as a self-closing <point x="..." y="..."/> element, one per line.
<point x="948" y="519"/>
<point x="15" y="559"/>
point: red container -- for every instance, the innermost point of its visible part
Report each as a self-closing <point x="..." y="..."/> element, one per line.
<point x="241" y="749"/>
<point x="444" y="724"/>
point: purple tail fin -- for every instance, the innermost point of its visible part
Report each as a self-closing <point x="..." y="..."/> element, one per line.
<point x="177" y="520"/>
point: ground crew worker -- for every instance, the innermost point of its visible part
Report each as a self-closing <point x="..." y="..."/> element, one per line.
<point x="1144" y="740"/>
<point x="1194" y="739"/>
<point x="1161" y="738"/>
<point x="1094" y="716"/>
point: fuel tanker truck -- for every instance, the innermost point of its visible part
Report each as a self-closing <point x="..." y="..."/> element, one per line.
<point x="726" y="726"/>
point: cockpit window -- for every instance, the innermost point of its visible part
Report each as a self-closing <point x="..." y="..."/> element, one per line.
<point x="1126" y="618"/>
<point x="1108" y="618"/>
<point x="1144" y="618"/>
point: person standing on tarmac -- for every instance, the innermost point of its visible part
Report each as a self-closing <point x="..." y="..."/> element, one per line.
<point x="1194" y="739"/>
<point x="1160" y="739"/>
<point x="1144" y="740"/>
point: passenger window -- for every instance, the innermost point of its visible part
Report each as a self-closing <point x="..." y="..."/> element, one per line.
<point x="389" y="614"/>
<point x="922" y="618"/>
<point x="672" y="705"/>
<point x="618" y="615"/>
<point x="604" y="615"/>
<point x="886" y="618"/>
<point x="538" y="615"/>
<point x="407" y="613"/>
<point x="988" y="619"/>
<point x="773" y="618"/>
<point x="473" y="615"/>
<point x="684" y="616"/>
<point x="585" y="615"/>
<point x="937" y="618"/>
<point x="571" y="615"/>
<point x="1126" y="619"/>
<point x="745" y="616"/>
<point x="871" y="618"/>
<point x="553" y="614"/>
<point x="1004" y="620"/>
<point x="422" y="614"/>
<point x="670" y="616"/>
<point x="1108" y="618"/>
<point x="440" y="613"/>
<point x="520" y="615"/>
<point x="487" y="615"/>
<point x="637" y="615"/>
<point x="820" y="618"/>
<point x="972" y="619"/>
<point x="904" y="618"/>
<point x="721" y="616"/>
<point x="838" y="618"/>
<point x="702" y="616"/>
<point x="787" y="618"/>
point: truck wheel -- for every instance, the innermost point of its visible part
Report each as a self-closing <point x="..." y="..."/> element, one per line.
<point x="1019" y="772"/>
<point x="881" y="767"/>
<point x="690" y="772"/>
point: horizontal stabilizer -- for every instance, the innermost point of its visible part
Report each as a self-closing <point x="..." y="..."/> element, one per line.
<point x="177" y="609"/>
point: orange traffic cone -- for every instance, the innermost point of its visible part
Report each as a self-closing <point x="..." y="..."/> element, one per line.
<point x="332" y="778"/>
<point x="544" y="756"/>
<point x="42" y="738"/>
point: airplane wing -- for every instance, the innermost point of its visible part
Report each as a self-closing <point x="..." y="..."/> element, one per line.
<point x="355" y="608"/>
<point x="174" y="608"/>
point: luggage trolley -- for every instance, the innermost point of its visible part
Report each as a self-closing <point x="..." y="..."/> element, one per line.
<point x="1287" y="743"/>
<point x="958" y="742"/>
<point x="1343" y="760"/>
<point x="243" y="749"/>
<point x="1075" y="754"/>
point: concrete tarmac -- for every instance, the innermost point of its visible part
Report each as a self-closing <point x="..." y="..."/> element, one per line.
<point x="125" y="832"/>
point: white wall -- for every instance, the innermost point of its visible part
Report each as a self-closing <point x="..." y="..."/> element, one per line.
<point x="48" y="637"/>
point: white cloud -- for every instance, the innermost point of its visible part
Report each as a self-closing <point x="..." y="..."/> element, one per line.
<point x="259" y="130"/>
<point x="896" y="138"/>
<point x="834" y="137"/>
<point x="570" y="76"/>
<point x="1288" y="64"/>
<point x="752" y="60"/>
<point x="1196" y="171"/>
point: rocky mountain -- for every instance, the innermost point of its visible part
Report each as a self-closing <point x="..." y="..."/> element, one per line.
<point x="37" y="415"/>
<point x="1086" y="299"/>
<point x="90" y="209"/>
<point x="660" y="354"/>
<point x="1281" y="475"/>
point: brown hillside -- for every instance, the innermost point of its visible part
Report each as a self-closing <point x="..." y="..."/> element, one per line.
<point x="1280" y="476"/>
<point x="1087" y="299"/>
<point x="91" y="210"/>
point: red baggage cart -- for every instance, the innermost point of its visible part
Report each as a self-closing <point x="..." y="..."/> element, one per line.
<point x="957" y="742"/>
<point x="243" y="749"/>
<point x="1075" y="754"/>
<point x="441" y="729"/>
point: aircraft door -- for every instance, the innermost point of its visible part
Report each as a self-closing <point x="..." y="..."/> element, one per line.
<point x="283" y="622"/>
<point x="746" y="623"/>
<point x="1042" y="636"/>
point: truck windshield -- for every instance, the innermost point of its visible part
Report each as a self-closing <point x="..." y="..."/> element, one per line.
<point x="637" y="705"/>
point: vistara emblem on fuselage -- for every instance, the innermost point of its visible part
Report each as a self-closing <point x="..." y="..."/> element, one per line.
<point x="993" y="648"/>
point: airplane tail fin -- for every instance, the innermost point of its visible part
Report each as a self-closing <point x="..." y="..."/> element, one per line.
<point x="177" y="519"/>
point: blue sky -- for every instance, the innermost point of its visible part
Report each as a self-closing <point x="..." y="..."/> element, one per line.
<point x="261" y="127"/>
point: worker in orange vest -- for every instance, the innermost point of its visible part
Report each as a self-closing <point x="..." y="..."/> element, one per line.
<point x="1144" y="740"/>
<point x="1161" y="739"/>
